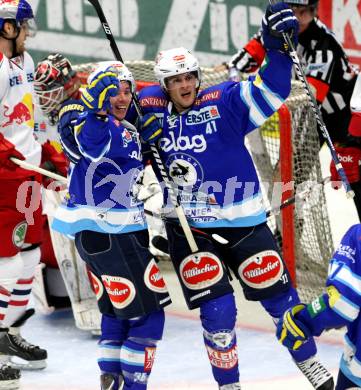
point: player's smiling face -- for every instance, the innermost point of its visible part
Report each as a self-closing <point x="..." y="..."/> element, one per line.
<point x="182" y="90"/>
<point x="121" y="102"/>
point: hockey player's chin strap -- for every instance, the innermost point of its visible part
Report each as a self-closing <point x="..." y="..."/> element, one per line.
<point x="13" y="40"/>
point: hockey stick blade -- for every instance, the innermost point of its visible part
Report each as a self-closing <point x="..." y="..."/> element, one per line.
<point x="160" y="243"/>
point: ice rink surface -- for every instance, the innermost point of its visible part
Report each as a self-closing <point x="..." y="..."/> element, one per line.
<point x="181" y="361"/>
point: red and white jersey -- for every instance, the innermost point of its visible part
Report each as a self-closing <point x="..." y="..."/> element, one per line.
<point x="43" y="130"/>
<point x="17" y="110"/>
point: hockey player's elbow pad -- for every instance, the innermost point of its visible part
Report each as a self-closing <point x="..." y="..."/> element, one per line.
<point x="330" y="310"/>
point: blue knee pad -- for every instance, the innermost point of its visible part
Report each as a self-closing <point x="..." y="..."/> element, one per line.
<point x="114" y="328"/>
<point x="150" y="326"/>
<point x="218" y="318"/>
<point x="276" y="306"/>
<point x="219" y="313"/>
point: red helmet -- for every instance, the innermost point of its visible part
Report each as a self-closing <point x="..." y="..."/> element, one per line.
<point x="55" y="81"/>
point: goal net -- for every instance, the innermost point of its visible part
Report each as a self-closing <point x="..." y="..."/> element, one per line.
<point x="285" y="151"/>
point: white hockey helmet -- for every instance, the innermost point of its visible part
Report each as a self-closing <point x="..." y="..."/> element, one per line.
<point x="123" y="73"/>
<point x="173" y="62"/>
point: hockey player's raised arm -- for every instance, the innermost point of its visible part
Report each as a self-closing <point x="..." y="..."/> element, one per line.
<point x="92" y="129"/>
<point x="264" y="93"/>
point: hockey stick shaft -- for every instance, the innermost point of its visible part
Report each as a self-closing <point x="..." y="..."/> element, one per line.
<point x="179" y="210"/>
<point x="301" y="196"/>
<point x="44" y="172"/>
<point x="318" y="115"/>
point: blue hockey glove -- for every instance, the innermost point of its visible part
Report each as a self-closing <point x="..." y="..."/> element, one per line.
<point x="279" y="19"/>
<point x="151" y="128"/>
<point x="96" y="96"/>
<point x="68" y="117"/>
<point x="291" y="332"/>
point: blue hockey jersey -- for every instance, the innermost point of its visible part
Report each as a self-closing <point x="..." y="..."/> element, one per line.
<point x="104" y="182"/>
<point x="204" y="148"/>
<point x="345" y="274"/>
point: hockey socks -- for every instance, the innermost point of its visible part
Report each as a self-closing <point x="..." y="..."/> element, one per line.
<point x="218" y="318"/>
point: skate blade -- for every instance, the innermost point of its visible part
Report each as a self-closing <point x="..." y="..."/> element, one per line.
<point x="22" y="364"/>
<point x="10" y="385"/>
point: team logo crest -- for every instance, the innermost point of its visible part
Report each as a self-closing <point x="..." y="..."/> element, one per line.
<point x="172" y="121"/>
<point x="185" y="170"/>
<point x="126" y="137"/>
<point x="19" y="234"/>
<point x="121" y="291"/>
<point x="97" y="286"/>
<point x="153" y="278"/>
<point x="262" y="270"/>
<point x="201" y="270"/>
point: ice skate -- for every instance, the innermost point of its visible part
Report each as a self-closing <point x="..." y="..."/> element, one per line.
<point x="111" y="382"/>
<point x="20" y="353"/>
<point x="231" y="386"/>
<point x="9" y="377"/>
<point x="316" y="373"/>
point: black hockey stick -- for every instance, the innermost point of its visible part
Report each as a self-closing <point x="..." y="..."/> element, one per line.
<point x="169" y="184"/>
<point x="318" y="115"/>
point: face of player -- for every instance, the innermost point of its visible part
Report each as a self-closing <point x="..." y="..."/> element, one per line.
<point x="304" y="16"/>
<point x="20" y="41"/>
<point x="121" y="102"/>
<point x="182" y="90"/>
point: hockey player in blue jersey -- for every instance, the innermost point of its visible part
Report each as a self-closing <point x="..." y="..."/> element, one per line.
<point x="108" y="223"/>
<point x="200" y="136"/>
<point x="339" y="306"/>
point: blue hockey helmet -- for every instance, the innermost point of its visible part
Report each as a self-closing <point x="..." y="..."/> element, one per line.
<point x="19" y="11"/>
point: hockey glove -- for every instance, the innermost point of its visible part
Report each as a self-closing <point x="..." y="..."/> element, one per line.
<point x="291" y="332"/>
<point x="350" y="158"/>
<point x="151" y="128"/>
<point x="279" y="19"/>
<point x="7" y="150"/>
<point x="103" y="85"/>
<point x="68" y="117"/>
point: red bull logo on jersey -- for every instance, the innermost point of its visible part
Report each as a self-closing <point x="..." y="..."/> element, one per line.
<point x="201" y="270"/>
<point x="262" y="270"/>
<point x="121" y="291"/>
<point x="153" y="278"/>
<point x="19" y="115"/>
<point x="22" y="112"/>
